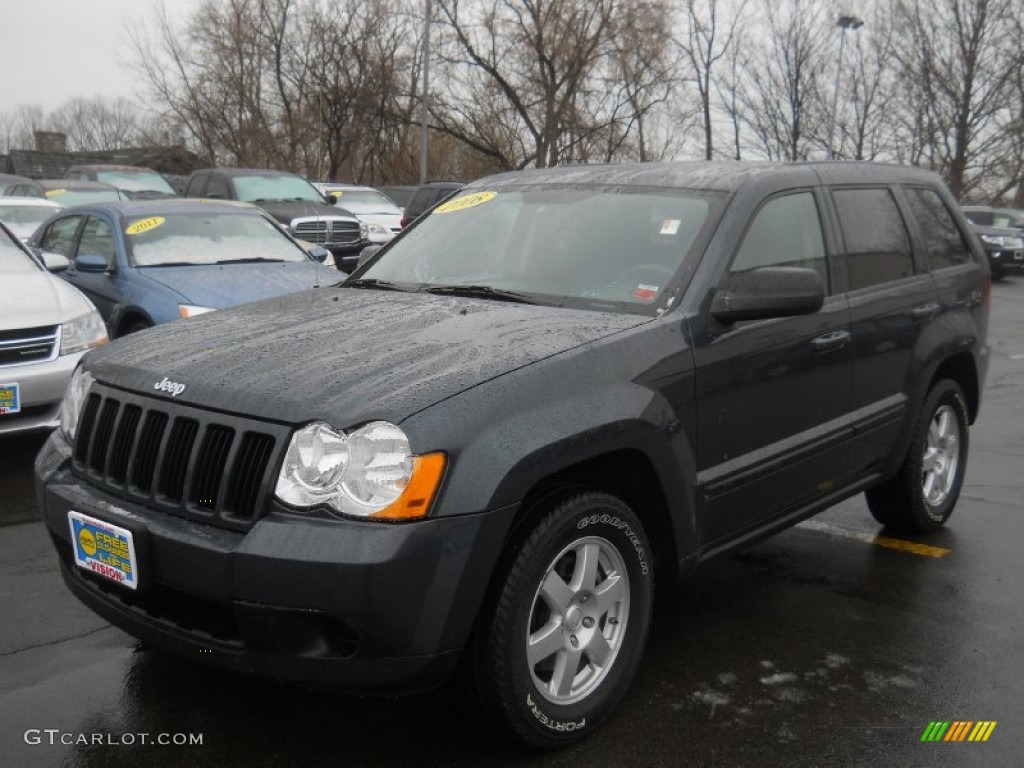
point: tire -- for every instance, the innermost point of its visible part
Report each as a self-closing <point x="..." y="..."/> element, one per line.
<point x="921" y="497"/>
<point x="581" y="585"/>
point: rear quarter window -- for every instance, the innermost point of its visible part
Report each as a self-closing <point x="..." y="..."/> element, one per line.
<point x="943" y="240"/>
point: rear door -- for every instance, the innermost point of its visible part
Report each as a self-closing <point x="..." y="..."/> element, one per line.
<point x="892" y="300"/>
<point x="773" y="395"/>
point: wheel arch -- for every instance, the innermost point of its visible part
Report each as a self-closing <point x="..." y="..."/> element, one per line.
<point x="626" y="473"/>
<point x="962" y="369"/>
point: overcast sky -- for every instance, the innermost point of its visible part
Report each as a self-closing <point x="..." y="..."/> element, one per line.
<point x="53" y="50"/>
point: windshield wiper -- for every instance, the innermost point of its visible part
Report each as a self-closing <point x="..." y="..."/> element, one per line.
<point x="481" y="292"/>
<point x="372" y="282"/>
<point x="252" y="260"/>
<point x="173" y="264"/>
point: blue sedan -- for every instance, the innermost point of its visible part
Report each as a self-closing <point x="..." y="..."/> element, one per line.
<point x="154" y="261"/>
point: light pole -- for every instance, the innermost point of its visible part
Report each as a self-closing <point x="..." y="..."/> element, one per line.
<point x="425" y="96"/>
<point x="845" y="22"/>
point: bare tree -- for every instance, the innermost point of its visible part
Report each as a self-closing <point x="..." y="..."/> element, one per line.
<point x="782" y="91"/>
<point x="705" y="44"/>
<point x="958" y="56"/>
<point x="534" y="82"/>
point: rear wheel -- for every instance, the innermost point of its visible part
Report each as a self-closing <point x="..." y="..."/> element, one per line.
<point x="560" y="645"/>
<point x="921" y="497"/>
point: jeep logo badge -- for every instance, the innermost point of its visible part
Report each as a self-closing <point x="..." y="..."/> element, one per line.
<point x="169" y="386"/>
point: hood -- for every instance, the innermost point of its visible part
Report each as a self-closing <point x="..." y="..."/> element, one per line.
<point x="998" y="231"/>
<point x="225" y="285"/>
<point x="286" y="210"/>
<point x="346" y="355"/>
<point x="38" y="298"/>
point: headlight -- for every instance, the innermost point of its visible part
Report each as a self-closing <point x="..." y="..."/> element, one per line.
<point x="375" y="233"/>
<point x="370" y="473"/>
<point x="83" y="332"/>
<point x="74" y="399"/>
<point x="1005" y="241"/>
<point x="189" y="310"/>
<point x="363" y="230"/>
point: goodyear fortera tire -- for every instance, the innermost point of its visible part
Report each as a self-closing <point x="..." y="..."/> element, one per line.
<point x="561" y="642"/>
<point x="921" y="497"/>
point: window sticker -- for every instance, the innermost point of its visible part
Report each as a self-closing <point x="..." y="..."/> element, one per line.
<point x="466" y="201"/>
<point x="670" y="226"/>
<point x="145" y="225"/>
<point x="646" y="292"/>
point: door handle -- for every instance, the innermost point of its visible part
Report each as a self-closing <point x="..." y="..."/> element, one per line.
<point x="831" y="341"/>
<point x="924" y="311"/>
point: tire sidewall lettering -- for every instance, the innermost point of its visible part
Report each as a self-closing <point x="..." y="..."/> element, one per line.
<point x="559" y="726"/>
<point x="623" y="527"/>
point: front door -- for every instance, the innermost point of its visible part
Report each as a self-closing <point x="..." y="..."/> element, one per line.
<point x="773" y="395"/>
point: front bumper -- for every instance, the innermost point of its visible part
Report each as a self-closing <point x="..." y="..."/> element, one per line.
<point x="1002" y="260"/>
<point x="348" y="605"/>
<point x="41" y="387"/>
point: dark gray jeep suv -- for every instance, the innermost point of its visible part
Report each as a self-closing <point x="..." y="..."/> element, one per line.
<point x="554" y="385"/>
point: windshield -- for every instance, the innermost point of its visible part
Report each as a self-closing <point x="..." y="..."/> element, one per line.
<point x="594" y="247"/>
<point x="136" y="181"/>
<point x="23" y="220"/>
<point x="182" y="239"/>
<point x="254" y="189"/>
<point x="69" y="197"/>
<point x="13" y="259"/>
<point x="365" y="201"/>
<point x="1007" y="219"/>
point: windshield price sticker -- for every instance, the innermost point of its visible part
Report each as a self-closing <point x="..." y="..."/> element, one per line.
<point x="145" y="225"/>
<point x="55" y="192"/>
<point x="462" y="202"/>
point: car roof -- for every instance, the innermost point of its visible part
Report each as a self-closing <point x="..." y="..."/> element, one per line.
<point x="247" y="172"/>
<point x="110" y="167"/>
<point x="170" y="206"/>
<point x="721" y="176"/>
<point x="41" y="202"/>
<point x="73" y="184"/>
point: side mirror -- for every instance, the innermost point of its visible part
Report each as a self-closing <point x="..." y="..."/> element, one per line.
<point x="768" y="292"/>
<point x="367" y="253"/>
<point x="332" y="198"/>
<point x="91" y="262"/>
<point x="318" y="253"/>
<point x="54" y="262"/>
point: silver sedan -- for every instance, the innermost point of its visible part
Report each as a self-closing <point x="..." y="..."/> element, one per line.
<point x="46" y="325"/>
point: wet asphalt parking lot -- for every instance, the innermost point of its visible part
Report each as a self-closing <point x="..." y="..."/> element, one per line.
<point x="828" y="645"/>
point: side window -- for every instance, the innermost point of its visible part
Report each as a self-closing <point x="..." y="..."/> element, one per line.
<point x="942" y="238"/>
<point x="877" y="243"/>
<point x="218" y="188"/>
<point x="786" y="232"/>
<point x="197" y="185"/>
<point x="60" y="236"/>
<point x="97" y="238"/>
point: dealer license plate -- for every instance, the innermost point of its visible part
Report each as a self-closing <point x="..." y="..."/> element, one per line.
<point x="10" y="399"/>
<point x="104" y="549"/>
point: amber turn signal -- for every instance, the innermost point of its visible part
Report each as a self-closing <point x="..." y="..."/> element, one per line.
<point x="415" y="501"/>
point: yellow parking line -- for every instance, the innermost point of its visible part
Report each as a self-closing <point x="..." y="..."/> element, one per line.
<point x="926" y="550"/>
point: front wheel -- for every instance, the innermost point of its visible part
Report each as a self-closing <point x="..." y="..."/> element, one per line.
<point x="921" y="497"/>
<point x="561" y="642"/>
